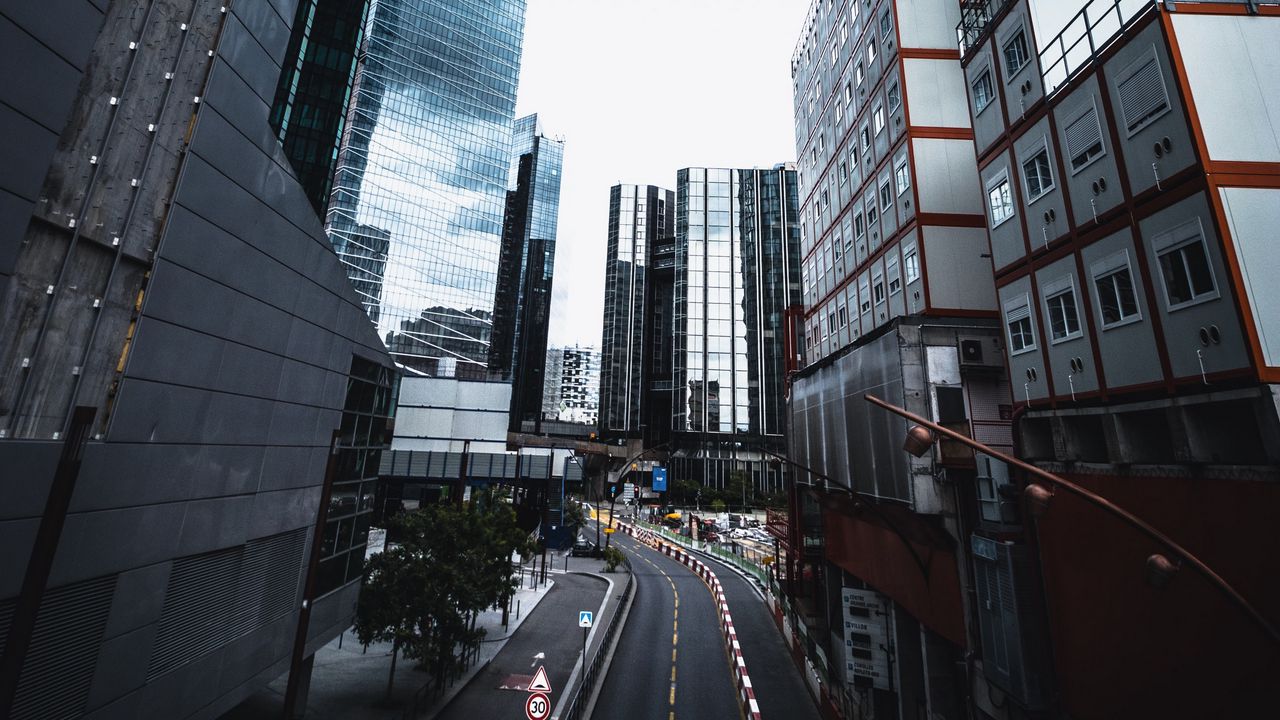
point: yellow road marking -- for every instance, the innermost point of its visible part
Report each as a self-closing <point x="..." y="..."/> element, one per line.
<point x="673" y="694"/>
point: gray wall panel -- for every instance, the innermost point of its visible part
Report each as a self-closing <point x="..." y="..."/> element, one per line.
<point x="266" y="25"/>
<point x="215" y="523"/>
<point x="17" y="537"/>
<point x="138" y="599"/>
<point x="287" y="467"/>
<point x="250" y="61"/>
<point x="284" y="510"/>
<point x="46" y="85"/>
<point x="28" y="474"/>
<point x="138" y="536"/>
<point x="122" y="663"/>
<point x="69" y="27"/>
<point x="24" y="154"/>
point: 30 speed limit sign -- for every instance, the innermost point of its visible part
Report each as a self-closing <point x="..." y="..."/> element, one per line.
<point x="537" y="707"/>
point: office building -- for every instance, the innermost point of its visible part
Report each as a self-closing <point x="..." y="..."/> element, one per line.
<point x="898" y="303"/>
<point x="736" y="273"/>
<point x="1130" y="171"/>
<point x="522" y="304"/>
<point x="424" y="162"/>
<point x="641" y="219"/>
<point x="179" y="350"/>
<point x="573" y="385"/>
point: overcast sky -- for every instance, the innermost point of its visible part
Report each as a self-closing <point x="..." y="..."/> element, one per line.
<point x="640" y="89"/>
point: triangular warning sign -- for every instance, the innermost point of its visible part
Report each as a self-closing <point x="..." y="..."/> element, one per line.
<point x="540" y="682"/>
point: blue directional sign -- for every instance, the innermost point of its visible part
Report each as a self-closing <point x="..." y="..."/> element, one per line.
<point x="659" y="478"/>
<point x="584" y="618"/>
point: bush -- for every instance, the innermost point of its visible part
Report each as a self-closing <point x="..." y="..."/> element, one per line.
<point x="612" y="558"/>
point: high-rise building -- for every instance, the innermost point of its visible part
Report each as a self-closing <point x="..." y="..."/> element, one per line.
<point x="424" y="162"/>
<point x="576" y="395"/>
<point x="898" y="303"/>
<point x="641" y="218"/>
<point x="522" y="304"/>
<point x="1130" y="169"/>
<point x="736" y="272"/>
<point x="181" y="355"/>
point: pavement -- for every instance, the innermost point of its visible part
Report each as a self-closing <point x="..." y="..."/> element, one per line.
<point x="349" y="681"/>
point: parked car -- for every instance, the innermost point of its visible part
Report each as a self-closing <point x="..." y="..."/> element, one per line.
<point x="583" y="548"/>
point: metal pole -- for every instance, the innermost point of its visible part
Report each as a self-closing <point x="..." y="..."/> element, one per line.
<point x="1099" y="501"/>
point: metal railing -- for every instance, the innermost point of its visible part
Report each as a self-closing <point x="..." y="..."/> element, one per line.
<point x="975" y="18"/>
<point x="1081" y="39"/>
<point x="589" y="678"/>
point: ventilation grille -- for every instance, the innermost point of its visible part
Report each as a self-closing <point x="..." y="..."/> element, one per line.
<point x="64" y="649"/>
<point x="1143" y="97"/>
<point x="217" y="597"/>
<point x="1084" y="139"/>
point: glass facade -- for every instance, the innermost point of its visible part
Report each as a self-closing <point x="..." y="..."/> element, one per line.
<point x="311" y="100"/>
<point x="639" y="216"/>
<point x="418" y="194"/>
<point x="737" y="269"/>
<point x="522" y="305"/>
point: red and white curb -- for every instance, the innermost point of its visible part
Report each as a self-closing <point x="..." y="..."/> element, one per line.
<point x="746" y="694"/>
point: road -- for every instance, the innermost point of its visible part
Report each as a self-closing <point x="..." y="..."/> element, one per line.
<point x="671" y="660"/>
<point x="552" y="632"/>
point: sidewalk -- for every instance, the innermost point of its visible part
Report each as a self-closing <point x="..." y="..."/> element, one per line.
<point x="350" y="681"/>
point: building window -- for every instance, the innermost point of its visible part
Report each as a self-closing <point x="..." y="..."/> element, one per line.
<point x="844" y="316"/>
<point x="822" y="142"/>
<point x="839" y="114"/>
<point x="877" y="118"/>
<point x="1037" y="175"/>
<point x="902" y="176"/>
<point x="1117" y="299"/>
<point x="895" y="277"/>
<point x="871" y="46"/>
<point x="848" y="92"/>
<point x="1143" y="97"/>
<point x="911" y="264"/>
<point x="858" y="74"/>
<point x="859" y="229"/>
<point x="895" y="95"/>
<point x="877" y="288"/>
<point x="886" y="195"/>
<point x="866" y="137"/>
<point x="1001" y="201"/>
<point x="1015" y="54"/>
<point x="1184" y="266"/>
<point x="886" y="24"/>
<point x="864" y="292"/>
<point x="1017" y="316"/>
<point x="837" y="248"/>
<point x="1060" y="304"/>
<point x="873" y="215"/>
<point x="844" y="173"/>
<point x="1084" y="140"/>
<point x="983" y="92"/>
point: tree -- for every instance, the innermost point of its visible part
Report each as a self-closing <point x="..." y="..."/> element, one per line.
<point x="718" y="505"/>
<point x="452" y="563"/>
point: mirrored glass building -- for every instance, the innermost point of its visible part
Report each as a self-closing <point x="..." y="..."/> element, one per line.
<point x="522" y="304"/>
<point x="418" y="194"/>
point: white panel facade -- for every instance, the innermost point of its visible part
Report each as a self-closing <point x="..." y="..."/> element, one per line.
<point x="1233" y="68"/>
<point x="936" y="93"/>
<point x="1253" y="214"/>
<point x="959" y="268"/>
<point x="946" y="176"/>
<point x="928" y="23"/>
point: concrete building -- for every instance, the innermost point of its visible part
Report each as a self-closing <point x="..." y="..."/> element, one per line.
<point x="572" y="390"/>
<point x="899" y="303"/>
<point x="424" y="160"/>
<point x="179" y="351"/>
<point x="1130" y="168"/>
<point x="522" y="303"/>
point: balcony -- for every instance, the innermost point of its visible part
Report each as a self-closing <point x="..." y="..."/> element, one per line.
<point x="975" y="18"/>
<point x="1084" y="36"/>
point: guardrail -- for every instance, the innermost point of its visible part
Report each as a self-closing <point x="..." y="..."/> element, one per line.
<point x="749" y="561"/>
<point x="589" y="678"/>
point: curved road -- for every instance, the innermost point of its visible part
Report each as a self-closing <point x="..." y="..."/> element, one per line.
<point x="671" y="660"/>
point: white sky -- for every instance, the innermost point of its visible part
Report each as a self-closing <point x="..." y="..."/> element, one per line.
<point x="640" y="89"/>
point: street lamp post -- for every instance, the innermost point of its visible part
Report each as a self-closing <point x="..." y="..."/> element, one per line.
<point x="1159" y="568"/>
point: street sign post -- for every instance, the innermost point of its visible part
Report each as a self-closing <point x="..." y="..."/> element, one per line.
<point x="540" y="683"/>
<point x="537" y="707"/>
<point x="585" y="619"/>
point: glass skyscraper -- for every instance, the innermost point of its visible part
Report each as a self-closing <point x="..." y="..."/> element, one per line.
<point x="522" y="306"/>
<point x="736" y="271"/>
<point x="639" y="217"/>
<point x="417" y="203"/>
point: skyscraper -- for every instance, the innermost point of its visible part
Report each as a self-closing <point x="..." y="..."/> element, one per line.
<point x="573" y="385"/>
<point x="737" y="271"/>
<point x="424" y="162"/>
<point x="639" y="217"/>
<point x="522" y="303"/>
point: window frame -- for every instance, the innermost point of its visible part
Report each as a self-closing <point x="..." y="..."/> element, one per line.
<point x="1042" y="148"/>
<point x="893" y="95"/>
<point x="1173" y="240"/>
<point x="1128" y="73"/>
<point x="1114" y="264"/>
<point x="910" y="264"/>
<point x="1011" y="73"/>
<point x="997" y="179"/>
<point x="877" y="117"/>
<point x="1022" y="305"/>
<point x="902" y="176"/>
<point x="985" y="74"/>
<point x="1073" y="118"/>
<point x="1054" y="290"/>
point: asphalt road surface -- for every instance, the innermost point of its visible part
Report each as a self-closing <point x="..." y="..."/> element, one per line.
<point x="552" y="632"/>
<point x="671" y="661"/>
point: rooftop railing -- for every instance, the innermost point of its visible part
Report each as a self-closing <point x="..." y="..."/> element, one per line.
<point x="1081" y="39"/>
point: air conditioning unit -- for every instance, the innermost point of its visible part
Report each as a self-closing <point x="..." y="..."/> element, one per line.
<point x="1014" y="645"/>
<point x="980" y="353"/>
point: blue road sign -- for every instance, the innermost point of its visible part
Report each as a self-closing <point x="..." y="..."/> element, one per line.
<point x="659" y="478"/>
<point x="584" y="618"/>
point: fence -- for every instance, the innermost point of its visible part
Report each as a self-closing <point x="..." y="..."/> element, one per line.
<point x="580" y="697"/>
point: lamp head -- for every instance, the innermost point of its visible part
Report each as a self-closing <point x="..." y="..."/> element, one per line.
<point x="1160" y="570"/>
<point x="1038" y="499"/>
<point x="919" y="440"/>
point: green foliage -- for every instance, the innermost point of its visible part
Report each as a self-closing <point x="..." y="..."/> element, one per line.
<point x="573" y="515"/>
<point x="718" y="505"/>
<point x="612" y="558"/>
<point x="452" y="563"/>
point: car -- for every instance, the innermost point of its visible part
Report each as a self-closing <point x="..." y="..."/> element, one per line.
<point x="583" y="548"/>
